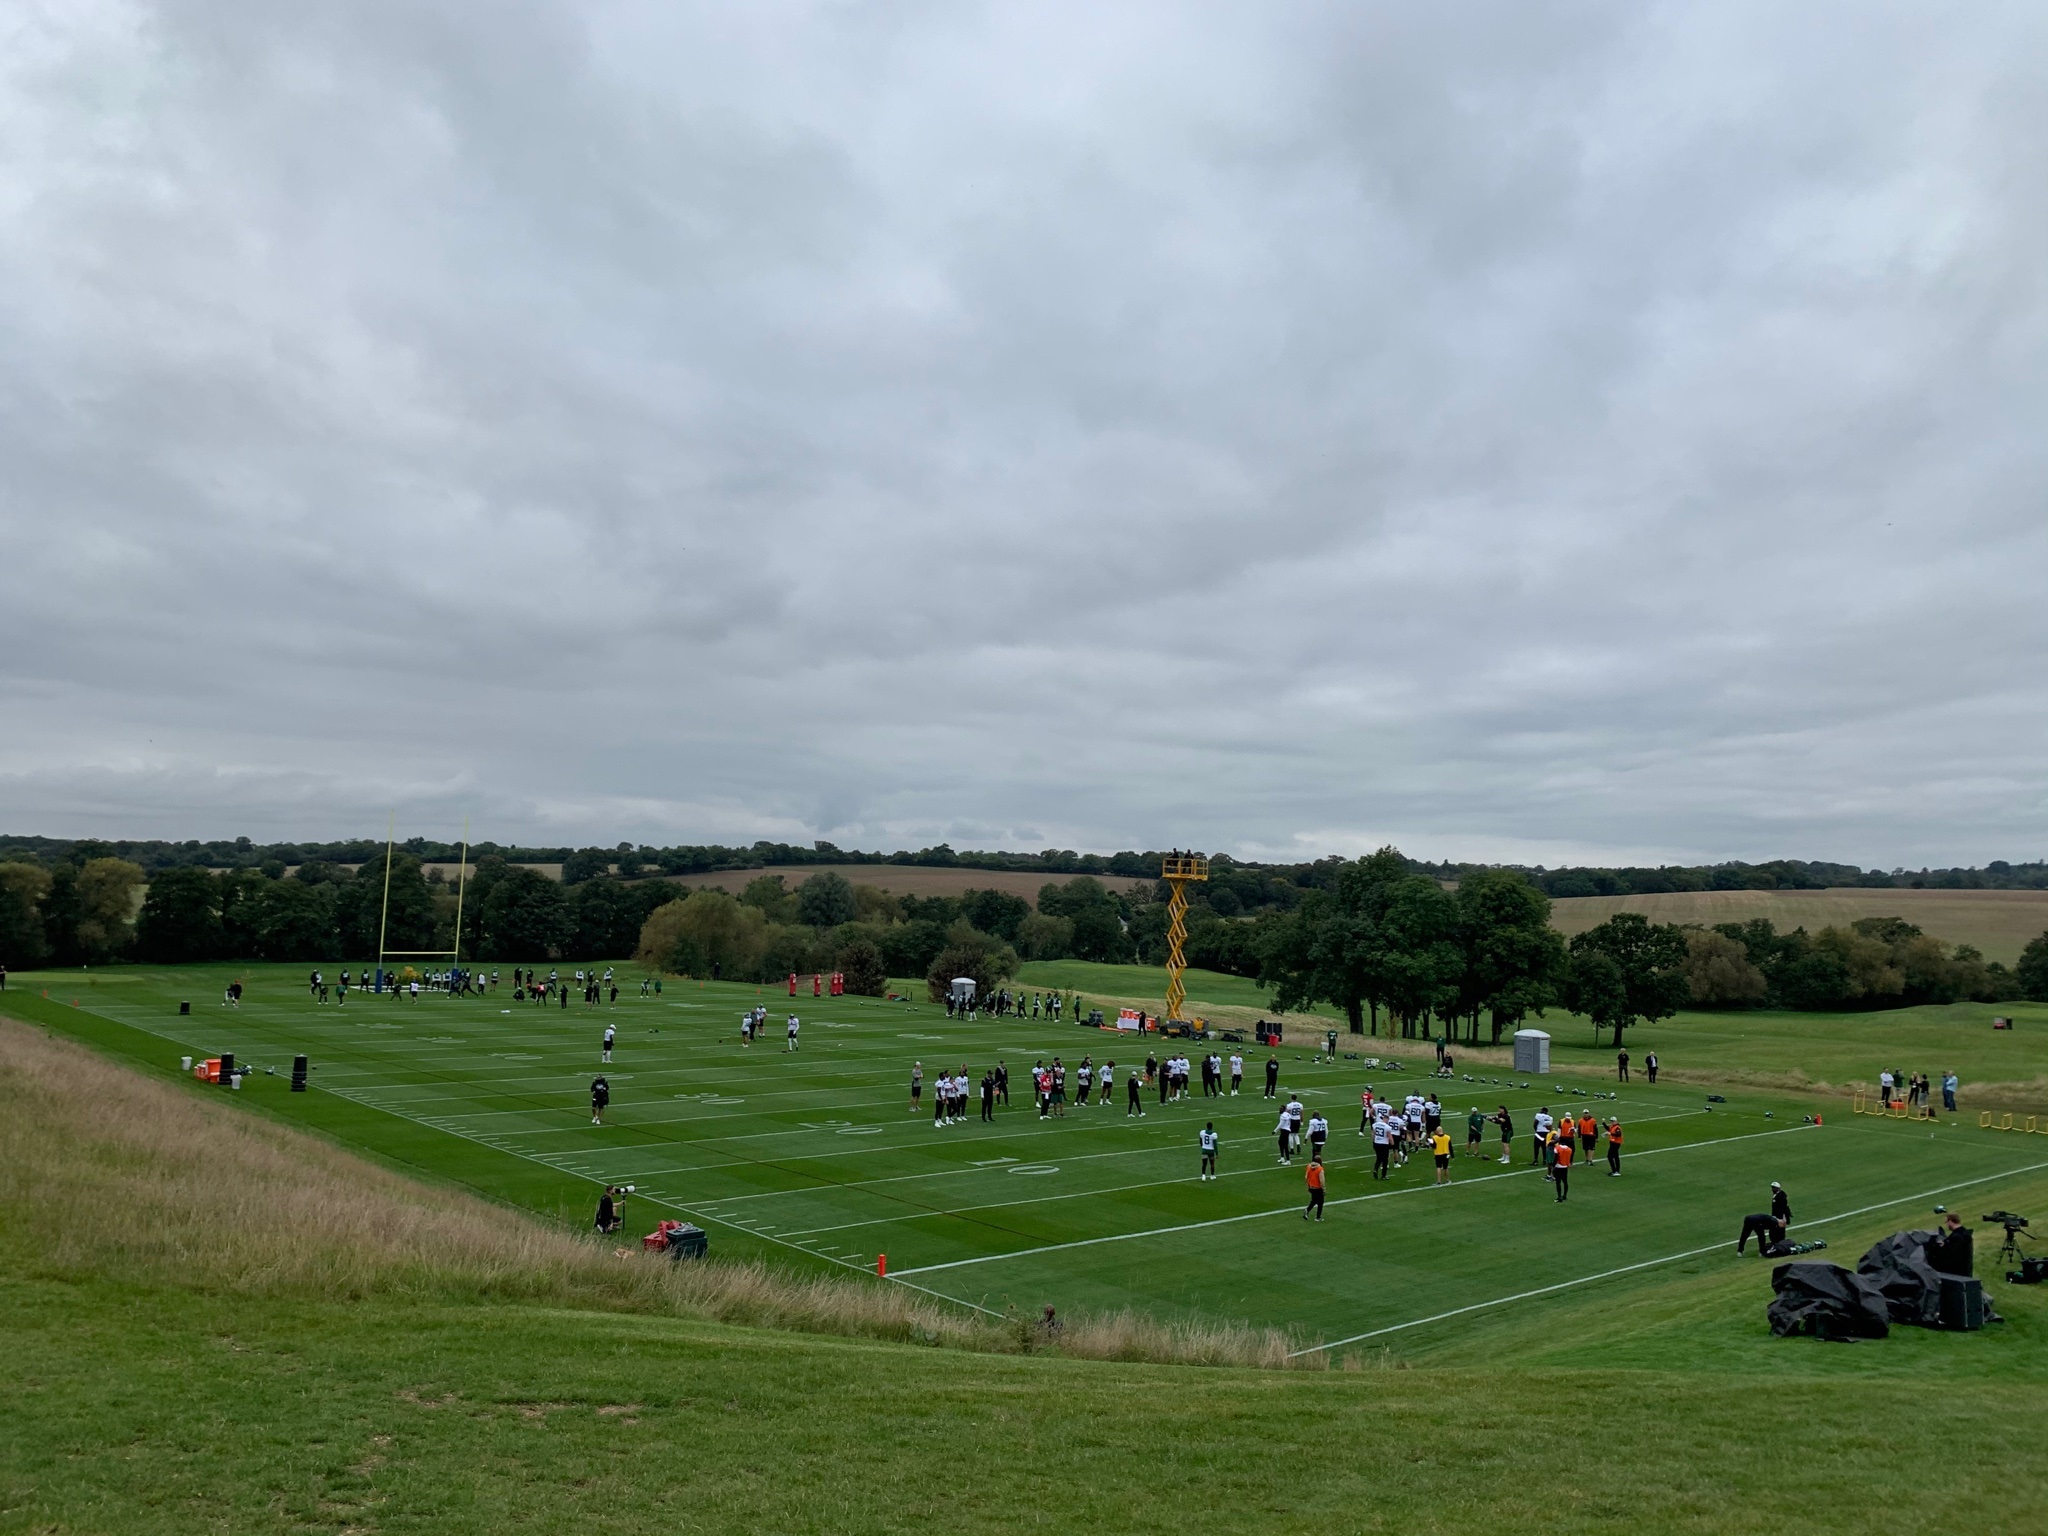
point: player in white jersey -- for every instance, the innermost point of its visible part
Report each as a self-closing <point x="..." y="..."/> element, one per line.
<point x="794" y="1024"/>
<point x="1105" y="1079"/>
<point x="1296" y="1113"/>
<point x="1284" y="1134"/>
<point x="1236" y="1073"/>
<point x="1539" y="1132"/>
<point x="610" y="1034"/>
<point x="1210" y="1141"/>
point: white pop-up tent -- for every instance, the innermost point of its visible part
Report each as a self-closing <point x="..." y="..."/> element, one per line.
<point x="963" y="991"/>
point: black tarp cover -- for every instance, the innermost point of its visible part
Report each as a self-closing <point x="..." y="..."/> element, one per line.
<point x="1827" y="1301"/>
<point x="1897" y="1265"/>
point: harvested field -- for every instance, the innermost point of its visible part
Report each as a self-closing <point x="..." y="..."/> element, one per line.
<point x="1998" y="922"/>
<point x="907" y="879"/>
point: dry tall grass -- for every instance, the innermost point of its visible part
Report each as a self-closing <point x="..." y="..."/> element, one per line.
<point x="105" y="1171"/>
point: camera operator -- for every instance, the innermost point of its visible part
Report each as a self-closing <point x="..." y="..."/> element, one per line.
<point x="609" y="1214"/>
<point x="1952" y="1249"/>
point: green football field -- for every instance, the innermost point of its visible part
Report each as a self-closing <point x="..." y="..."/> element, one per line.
<point x="815" y="1157"/>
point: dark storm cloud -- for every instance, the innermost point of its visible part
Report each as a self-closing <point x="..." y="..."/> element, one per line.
<point x="1520" y="431"/>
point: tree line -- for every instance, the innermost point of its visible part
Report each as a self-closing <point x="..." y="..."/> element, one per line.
<point x="1374" y="938"/>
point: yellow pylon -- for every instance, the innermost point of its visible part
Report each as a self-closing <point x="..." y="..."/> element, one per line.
<point x="1178" y="870"/>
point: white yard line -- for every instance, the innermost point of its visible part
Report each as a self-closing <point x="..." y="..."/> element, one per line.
<point x="1178" y="1149"/>
<point x="1290" y="1210"/>
<point x="1669" y="1258"/>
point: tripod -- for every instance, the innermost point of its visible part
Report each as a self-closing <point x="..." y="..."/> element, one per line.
<point x="2010" y="1251"/>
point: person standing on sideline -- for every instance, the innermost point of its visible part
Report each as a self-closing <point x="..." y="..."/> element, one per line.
<point x="1539" y="1135"/>
<point x="1315" y="1192"/>
<point x="1272" y="1075"/>
<point x="988" y="1097"/>
<point x="1589" y="1134"/>
<point x="600" y="1096"/>
<point x="1506" y="1122"/>
<point x="610" y="1034"/>
<point x="1475" y="1132"/>
<point x="1561" y="1170"/>
<point x="1210" y="1141"/>
<point x="1621" y="1064"/>
<point x="1884" y="1088"/>
<point x="1236" y="1058"/>
<point x="916" y="1086"/>
<point x="1284" y="1133"/>
<point x="1440" y="1145"/>
<point x="1134" y="1107"/>
<point x="1949" y="1084"/>
<point x="1650" y="1067"/>
<point x="1613" y="1148"/>
<point x="794" y="1024"/>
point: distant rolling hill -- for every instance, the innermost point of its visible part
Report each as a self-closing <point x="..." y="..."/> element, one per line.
<point x="1998" y="922"/>
<point x="908" y="879"/>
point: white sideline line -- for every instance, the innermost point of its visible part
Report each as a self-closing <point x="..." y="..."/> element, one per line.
<point x="1669" y="1258"/>
<point x="1288" y="1210"/>
<point x="653" y="1199"/>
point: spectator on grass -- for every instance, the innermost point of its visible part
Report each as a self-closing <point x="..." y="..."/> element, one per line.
<point x="1650" y="1067"/>
<point x="1949" y="1084"/>
<point x="1621" y="1065"/>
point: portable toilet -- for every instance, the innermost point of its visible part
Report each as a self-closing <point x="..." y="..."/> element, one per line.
<point x="963" y="992"/>
<point x="1532" y="1051"/>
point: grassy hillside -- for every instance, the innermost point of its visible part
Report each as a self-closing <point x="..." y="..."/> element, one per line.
<point x="216" y="1324"/>
<point x="1998" y="922"/>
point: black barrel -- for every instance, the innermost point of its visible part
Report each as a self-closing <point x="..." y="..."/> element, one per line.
<point x="227" y="1068"/>
<point x="298" y="1074"/>
<point x="184" y="1008"/>
<point x="687" y="1242"/>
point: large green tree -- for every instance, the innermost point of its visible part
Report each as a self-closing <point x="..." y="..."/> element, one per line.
<point x="2032" y="970"/>
<point x="1627" y="971"/>
<point x="525" y="916"/>
<point x="180" y="919"/>
<point x="1514" y="960"/>
<point x="23" y="887"/>
<point x="826" y="900"/>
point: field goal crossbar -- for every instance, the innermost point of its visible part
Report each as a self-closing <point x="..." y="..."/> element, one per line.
<point x="452" y="956"/>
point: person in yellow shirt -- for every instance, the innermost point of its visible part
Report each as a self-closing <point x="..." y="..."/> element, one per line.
<point x="1440" y="1144"/>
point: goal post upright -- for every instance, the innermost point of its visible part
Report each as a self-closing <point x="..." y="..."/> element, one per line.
<point x="1179" y="871"/>
<point x="384" y="951"/>
<point x="384" y="922"/>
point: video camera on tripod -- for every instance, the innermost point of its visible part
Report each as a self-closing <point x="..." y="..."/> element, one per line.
<point x="2030" y="1270"/>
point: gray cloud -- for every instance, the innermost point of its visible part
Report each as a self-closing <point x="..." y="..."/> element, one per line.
<point x="1531" y="431"/>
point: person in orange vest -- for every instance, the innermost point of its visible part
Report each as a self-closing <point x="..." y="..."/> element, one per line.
<point x="1315" y="1192"/>
<point x="1613" y="1148"/>
<point x="1561" y="1170"/>
<point x="1589" y="1134"/>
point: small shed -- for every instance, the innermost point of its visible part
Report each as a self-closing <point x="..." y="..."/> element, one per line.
<point x="1532" y="1051"/>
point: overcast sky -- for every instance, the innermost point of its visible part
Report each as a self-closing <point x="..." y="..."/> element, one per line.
<point x="1527" y="432"/>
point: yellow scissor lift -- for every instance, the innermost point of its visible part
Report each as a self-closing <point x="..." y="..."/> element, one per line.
<point x="1179" y="871"/>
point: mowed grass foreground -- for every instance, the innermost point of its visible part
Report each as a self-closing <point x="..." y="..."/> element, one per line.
<point x="216" y="1323"/>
